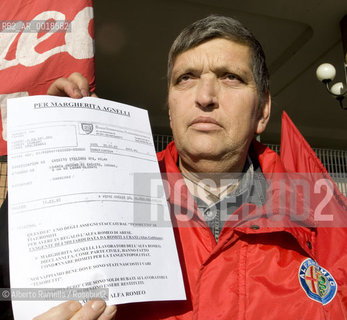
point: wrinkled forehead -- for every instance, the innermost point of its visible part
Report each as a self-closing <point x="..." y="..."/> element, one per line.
<point x="193" y="45"/>
<point x="215" y="53"/>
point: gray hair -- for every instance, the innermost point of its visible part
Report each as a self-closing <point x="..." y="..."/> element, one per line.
<point x="215" y="26"/>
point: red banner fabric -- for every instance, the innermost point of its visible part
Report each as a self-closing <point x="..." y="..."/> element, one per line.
<point x="328" y="203"/>
<point x="298" y="156"/>
<point x="41" y="41"/>
<point x="296" y="153"/>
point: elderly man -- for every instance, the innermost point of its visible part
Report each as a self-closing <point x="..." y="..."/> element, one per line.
<point x="233" y="268"/>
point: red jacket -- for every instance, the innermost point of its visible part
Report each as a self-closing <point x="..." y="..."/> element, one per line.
<point x="257" y="270"/>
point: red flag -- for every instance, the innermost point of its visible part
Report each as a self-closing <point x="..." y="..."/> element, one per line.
<point x="298" y="156"/>
<point x="328" y="203"/>
<point x="41" y="41"/>
<point x="296" y="153"/>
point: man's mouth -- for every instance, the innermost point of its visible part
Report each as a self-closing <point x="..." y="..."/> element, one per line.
<point x="205" y="124"/>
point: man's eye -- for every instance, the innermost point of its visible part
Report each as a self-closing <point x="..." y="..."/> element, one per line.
<point x="232" y="77"/>
<point x="184" y="78"/>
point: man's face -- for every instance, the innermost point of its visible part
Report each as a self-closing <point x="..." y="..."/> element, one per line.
<point x="214" y="103"/>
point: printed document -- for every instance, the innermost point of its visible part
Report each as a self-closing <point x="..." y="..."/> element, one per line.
<point x="86" y="204"/>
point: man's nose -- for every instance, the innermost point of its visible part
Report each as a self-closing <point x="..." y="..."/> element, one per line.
<point x="206" y="93"/>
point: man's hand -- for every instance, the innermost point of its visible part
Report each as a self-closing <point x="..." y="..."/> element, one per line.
<point x="75" y="86"/>
<point x="73" y="310"/>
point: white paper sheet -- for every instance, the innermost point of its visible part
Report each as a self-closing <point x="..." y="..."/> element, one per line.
<point x="77" y="198"/>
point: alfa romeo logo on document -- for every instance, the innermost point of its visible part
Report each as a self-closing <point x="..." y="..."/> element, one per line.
<point x="87" y="128"/>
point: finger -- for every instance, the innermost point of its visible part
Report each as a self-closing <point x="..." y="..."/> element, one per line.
<point x="81" y="82"/>
<point x="90" y="311"/>
<point x="108" y="313"/>
<point x="63" y="311"/>
<point x="64" y="87"/>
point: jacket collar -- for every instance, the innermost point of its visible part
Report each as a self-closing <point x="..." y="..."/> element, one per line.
<point x="275" y="216"/>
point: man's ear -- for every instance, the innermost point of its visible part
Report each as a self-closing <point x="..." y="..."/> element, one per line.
<point x="264" y="115"/>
